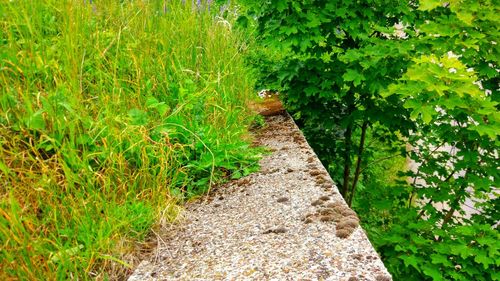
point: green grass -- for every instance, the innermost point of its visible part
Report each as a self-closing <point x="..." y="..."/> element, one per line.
<point x="110" y="114"/>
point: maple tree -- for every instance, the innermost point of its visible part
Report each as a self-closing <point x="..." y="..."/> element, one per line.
<point x="397" y="72"/>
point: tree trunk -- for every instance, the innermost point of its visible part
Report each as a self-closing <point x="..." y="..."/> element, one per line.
<point x="431" y="201"/>
<point x="347" y="159"/>
<point x="357" y="172"/>
<point x="456" y="203"/>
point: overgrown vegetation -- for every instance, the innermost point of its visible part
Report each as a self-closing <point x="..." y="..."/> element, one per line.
<point x="110" y="113"/>
<point x="374" y="82"/>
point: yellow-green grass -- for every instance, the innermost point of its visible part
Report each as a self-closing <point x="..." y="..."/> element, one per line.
<point x="110" y="114"/>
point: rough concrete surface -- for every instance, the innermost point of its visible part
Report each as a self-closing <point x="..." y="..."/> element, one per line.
<point x="286" y="222"/>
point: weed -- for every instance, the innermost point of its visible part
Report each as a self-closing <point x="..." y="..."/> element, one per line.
<point x="111" y="112"/>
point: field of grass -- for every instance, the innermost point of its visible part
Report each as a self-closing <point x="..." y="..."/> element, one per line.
<point x="111" y="113"/>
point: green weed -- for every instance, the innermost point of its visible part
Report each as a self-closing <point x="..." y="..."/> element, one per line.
<point x="110" y="114"/>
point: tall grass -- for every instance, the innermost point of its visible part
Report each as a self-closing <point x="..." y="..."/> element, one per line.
<point x="110" y="113"/>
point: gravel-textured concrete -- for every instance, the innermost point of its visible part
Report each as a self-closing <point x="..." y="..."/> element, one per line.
<point x="287" y="222"/>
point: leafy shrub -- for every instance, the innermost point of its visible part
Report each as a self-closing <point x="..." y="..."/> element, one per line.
<point x="368" y="76"/>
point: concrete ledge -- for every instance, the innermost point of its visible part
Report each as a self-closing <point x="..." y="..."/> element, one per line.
<point x="286" y="222"/>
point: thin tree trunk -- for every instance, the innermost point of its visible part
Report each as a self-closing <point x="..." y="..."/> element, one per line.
<point x="357" y="172"/>
<point x="418" y="172"/>
<point x="455" y="203"/>
<point x="431" y="201"/>
<point x="347" y="159"/>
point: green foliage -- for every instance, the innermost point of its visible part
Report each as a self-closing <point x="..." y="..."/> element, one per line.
<point x="366" y="81"/>
<point x="110" y="113"/>
<point x="412" y="249"/>
<point x="337" y="55"/>
<point x="452" y="99"/>
<point x="420" y="249"/>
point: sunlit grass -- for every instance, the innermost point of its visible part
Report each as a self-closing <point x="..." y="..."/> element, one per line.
<point x="109" y="115"/>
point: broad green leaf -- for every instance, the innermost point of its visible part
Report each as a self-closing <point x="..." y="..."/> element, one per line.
<point x="426" y="5"/>
<point x="495" y="276"/>
<point x="412" y="261"/>
<point x="462" y="250"/>
<point x="354" y="76"/>
<point x="412" y="103"/>
<point x="466" y="17"/>
<point x="36" y="121"/>
<point x="281" y="5"/>
<point x="481" y="258"/>
<point x="433" y="272"/>
<point x="151" y="102"/>
<point x="492" y="131"/>
<point x="440" y="259"/>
